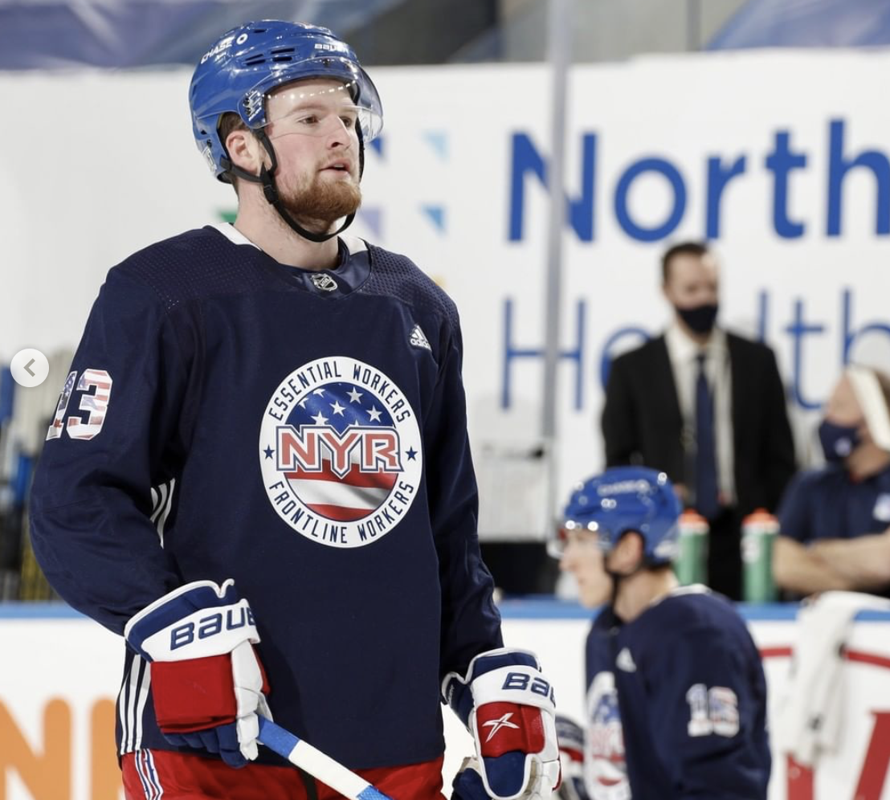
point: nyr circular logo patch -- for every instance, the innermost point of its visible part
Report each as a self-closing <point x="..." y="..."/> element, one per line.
<point x="340" y="452"/>
<point x="605" y="764"/>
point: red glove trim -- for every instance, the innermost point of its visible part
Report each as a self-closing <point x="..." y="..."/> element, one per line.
<point x="193" y="695"/>
<point x="505" y="727"/>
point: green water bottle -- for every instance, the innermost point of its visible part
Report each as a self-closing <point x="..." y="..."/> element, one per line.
<point x="759" y="531"/>
<point x="691" y="563"/>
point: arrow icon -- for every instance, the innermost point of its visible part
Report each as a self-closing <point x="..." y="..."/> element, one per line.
<point x="29" y="367"/>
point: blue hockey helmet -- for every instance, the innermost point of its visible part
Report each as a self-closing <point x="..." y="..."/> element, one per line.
<point x="246" y="63"/>
<point x="625" y="499"/>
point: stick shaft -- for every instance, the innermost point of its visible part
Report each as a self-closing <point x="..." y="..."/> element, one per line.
<point x="318" y="764"/>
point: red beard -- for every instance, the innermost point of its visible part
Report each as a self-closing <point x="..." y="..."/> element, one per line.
<point x="318" y="205"/>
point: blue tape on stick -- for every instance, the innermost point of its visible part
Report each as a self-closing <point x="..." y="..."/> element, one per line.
<point x="372" y="794"/>
<point x="277" y="738"/>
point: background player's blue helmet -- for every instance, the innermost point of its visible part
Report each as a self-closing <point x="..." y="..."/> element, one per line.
<point x="248" y="62"/>
<point x="626" y="499"/>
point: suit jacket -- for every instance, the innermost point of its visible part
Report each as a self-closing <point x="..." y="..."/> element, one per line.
<point x="642" y="422"/>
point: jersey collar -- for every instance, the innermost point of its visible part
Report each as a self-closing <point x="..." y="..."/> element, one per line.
<point x="352" y="270"/>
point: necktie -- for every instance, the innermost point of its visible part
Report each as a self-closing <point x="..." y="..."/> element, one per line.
<point x="706" y="454"/>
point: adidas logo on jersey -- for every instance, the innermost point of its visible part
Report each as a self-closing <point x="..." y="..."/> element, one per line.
<point x="418" y="339"/>
<point x="625" y="661"/>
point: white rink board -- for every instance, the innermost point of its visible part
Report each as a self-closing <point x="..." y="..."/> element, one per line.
<point x="75" y="661"/>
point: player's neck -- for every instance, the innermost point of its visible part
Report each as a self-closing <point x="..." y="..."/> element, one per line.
<point x="265" y="228"/>
<point x="638" y="591"/>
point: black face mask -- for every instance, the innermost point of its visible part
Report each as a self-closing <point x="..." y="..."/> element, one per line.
<point x="838" y="441"/>
<point x="700" y="319"/>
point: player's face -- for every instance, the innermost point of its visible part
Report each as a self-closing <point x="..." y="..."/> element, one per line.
<point x="583" y="558"/>
<point x="843" y="407"/>
<point x="313" y="126"/>
<point x="692" y="281"/>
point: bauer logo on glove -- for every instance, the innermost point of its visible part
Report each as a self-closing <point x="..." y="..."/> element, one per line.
<point x="232" y="620"/>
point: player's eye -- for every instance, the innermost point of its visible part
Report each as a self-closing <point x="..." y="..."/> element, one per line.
<point x="348" y="122"/>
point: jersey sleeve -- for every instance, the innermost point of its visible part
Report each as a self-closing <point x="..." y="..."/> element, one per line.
<point x="471" y="623"/>
<point x="114" y="434"/>
<point x="707" y="706"/>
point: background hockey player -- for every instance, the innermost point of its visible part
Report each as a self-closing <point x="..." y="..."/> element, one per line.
<point x="676" y="698"/>
<point x="259" y="472"/>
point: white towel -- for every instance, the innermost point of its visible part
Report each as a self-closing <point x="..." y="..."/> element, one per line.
<point x="809" y="718"/>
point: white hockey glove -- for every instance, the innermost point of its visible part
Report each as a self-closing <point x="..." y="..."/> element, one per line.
<point x="206" y="679"/>
<point x="571" y="755"/>
<point x="507" y="705"/>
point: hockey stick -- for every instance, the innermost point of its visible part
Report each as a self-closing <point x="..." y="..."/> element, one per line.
<point x="306" y="757"/>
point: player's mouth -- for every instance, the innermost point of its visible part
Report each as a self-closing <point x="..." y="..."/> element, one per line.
<point x="342" y="165"/>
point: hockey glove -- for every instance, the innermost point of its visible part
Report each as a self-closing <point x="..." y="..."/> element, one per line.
<point x="571" y="755"/>
<point x="507" y="705"/>
<point x="468" y="783"/>
<point x="206" y="679"/>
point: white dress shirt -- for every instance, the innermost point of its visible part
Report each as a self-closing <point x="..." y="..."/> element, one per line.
<point x="683" y="353"/>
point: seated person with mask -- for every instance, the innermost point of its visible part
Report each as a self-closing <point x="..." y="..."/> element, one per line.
<point x="835" y="521"/>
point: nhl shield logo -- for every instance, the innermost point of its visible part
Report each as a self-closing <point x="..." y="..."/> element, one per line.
<point x="322" y="282"/>
<point x="340" y="452"/>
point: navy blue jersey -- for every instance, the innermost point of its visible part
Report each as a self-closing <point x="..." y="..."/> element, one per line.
<point x="301" y="432"/>
<point x="676" y="704"/>
<point x="827" y="504"/>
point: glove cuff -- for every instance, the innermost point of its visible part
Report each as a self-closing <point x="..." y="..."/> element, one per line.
<point x="514" y="684"/>
<point x="456" y="691"/>
<point x="198" y="620"/>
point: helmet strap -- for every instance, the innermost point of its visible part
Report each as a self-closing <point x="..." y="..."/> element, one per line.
<point x="617" y="577"/>
<point x="270" y="191"/>
<point x="361" y="151"/>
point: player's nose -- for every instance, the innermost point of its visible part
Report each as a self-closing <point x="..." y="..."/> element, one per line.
<point x="339" y="135"/>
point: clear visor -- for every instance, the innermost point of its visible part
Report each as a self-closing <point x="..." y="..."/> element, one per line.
<point x="571" y="532"/>
<point x="321" y="110"/>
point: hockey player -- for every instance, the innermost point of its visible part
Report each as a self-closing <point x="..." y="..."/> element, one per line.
<point x="258" y="473"/>
<point x="676" y="697"/>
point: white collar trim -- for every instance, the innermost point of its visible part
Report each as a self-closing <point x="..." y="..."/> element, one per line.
<point x="233" y="234"/>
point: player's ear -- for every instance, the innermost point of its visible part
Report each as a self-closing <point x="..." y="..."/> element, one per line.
<point x="627" y="554"/>
<point x="245" y="150"/>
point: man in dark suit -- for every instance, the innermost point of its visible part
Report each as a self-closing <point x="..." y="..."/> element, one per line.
<point x="705" y="406"/>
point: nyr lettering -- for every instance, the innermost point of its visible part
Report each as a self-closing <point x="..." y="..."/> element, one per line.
<point x="375" y="448"/>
